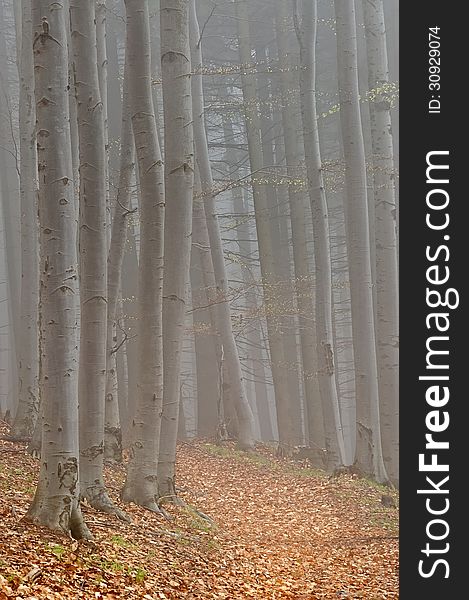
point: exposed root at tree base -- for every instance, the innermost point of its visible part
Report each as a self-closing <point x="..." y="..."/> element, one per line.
<point x="74" y="526"/>
<point x="148" y="501"/>
<point x="98" y="499"/>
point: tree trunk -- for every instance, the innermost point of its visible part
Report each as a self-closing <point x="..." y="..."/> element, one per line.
<point x="130" y="308"/>
<point x="179" y="183"/>
<point x="93" y="254"/>
<point x="123" y="376"/>
<point x="222" y="307"/>
<point x="279" y="234"/>
<point x="304" y="278"/>
<point x="141" y="482"/>
<point x="101" y="58"/>
<point x="207" y="346"/>
<point x="266" y="254"/>
<point x="11" y="211"/>
<point x="56" y="501"/>
<point x="28" y="350"/>
<point x="343" y="338"/>
<point x="387" y="325"/>
<point x="255" y="339"/>
<point x="113" y="426"/>
<point x="306" y="33"/>
<point x="6" y="354"/>
<point x="368" y="451"/>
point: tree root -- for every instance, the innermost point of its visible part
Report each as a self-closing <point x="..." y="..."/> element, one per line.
<point x="78" y="527"/>
<point x="145" y="500"/>
<point x="59" y="521"/>
<point x="97" y="498"/>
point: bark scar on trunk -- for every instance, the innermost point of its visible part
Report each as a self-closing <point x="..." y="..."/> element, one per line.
<point x="329" y="356"/>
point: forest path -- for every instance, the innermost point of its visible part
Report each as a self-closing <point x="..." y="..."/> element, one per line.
<point x="281" y="531"/>
<point x="294" y="532"/>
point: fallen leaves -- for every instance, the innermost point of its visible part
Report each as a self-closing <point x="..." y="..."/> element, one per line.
<point x="279" y="531"/>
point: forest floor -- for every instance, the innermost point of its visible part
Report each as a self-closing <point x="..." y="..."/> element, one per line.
<point x="281" y="530"/>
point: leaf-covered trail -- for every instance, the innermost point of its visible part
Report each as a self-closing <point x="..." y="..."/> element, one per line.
<point x="296" y="535"/>
<point x="281" y="531"/>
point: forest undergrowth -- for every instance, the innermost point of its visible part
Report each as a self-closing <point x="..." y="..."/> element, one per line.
<point x="280" y="530"/>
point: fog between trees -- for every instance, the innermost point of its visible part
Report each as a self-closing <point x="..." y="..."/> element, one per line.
<point x="198" y="238"/>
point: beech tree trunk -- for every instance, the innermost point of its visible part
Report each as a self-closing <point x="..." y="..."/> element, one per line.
<point x="9" y="192"/>
<point x="222" y="307"/>
<point x="279" y="235"/>
<point x="141" y="483"/>
<point x="266" y="254"/>
<point x="368" y="450"/>
<point x="93" y="255"/>
<point x="205" y="336"/>
<point x="387" y="301"/>
<point x="56" y="501"/>
<point x="179" y="183"/>
<point x="6" y="355"/>
<point x="299" y="207"/>
<point x="28" y="349"/>
<point x="306" y="33"/>
<point x="255" y="340"/>
<point x="343" y="337"/>
<point x="113" y="425"/>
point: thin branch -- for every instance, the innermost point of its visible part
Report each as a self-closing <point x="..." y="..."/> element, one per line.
<point x="205" y="25"/>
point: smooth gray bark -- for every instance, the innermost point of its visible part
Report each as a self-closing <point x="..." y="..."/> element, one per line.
<point x="368" y="449"/>
<point x="387" y="301"/>
<point x="221" y="296"/>
<point x="279" y="235"/>
<point x="113" y="425"/>
<point x="266" y="253"/>
<point x="205" y="337"/>
<point x="299" y="208"/>
<point x="325" y="351"/>
<point x="6" y="355"/>
<point x="141" y="485"/>
<point x="93" y="255"/>
<point x="28" y="349"/>
<point x="179" y="184"/>
<point x="255" y="341"/>
<point x="9" y="190"/>
<point x="56" y="501"/>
